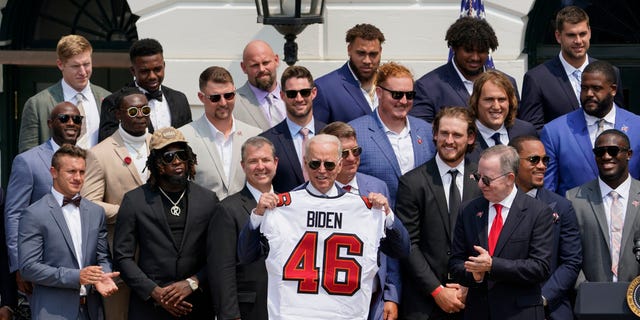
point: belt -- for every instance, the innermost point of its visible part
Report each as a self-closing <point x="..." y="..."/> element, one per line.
<point x="83" y="300"/>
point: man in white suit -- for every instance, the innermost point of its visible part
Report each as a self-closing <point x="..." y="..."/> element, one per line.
<point x="608" y="213"/>
<point x="216" y="138"/>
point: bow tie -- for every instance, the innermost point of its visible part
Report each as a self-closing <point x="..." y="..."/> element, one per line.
<point x="75" y="201"/>
<point x="157" y="95"/>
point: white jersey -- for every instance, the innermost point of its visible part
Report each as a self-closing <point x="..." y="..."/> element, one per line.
<point x="323" y="256"/>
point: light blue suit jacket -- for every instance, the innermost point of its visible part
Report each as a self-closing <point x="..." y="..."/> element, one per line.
<point x="389" y="272"/>
<point x="572" y="163"/>
<point x="378" y="158"/>
<point x="29" y="181"/>
<point x="47" y="258"/>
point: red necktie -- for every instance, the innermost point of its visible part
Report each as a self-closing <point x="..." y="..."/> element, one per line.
<point x="496" y="227"/>
<point x="347" y="187"/>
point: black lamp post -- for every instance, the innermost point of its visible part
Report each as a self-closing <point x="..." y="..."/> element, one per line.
<point x="290" y="17"/>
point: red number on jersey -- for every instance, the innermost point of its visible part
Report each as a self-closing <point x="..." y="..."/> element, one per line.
<point x="341" y="275"/>
<point x="301" y="265"/>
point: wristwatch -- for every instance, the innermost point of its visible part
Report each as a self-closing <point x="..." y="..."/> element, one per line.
<point x="192" y="284"/>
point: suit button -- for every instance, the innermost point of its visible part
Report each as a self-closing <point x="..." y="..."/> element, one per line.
<point x="448" y="253"/>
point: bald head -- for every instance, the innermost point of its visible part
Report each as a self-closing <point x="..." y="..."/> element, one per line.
<point x="260" y="64"/>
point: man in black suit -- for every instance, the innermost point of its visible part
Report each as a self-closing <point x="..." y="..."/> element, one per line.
<point x="161" y="232"/>
<point x="288" y="137"/>
<point x="502" y="244"/>
<point x="494" y="103"/>
<point x="566" y="258"/>
<point x="8" y="289"/>
<point x="240" y="291"/>
<point x="552" y="89"/>
<point x="451" y="84"/>
<point x="169" y="108"/>
<point x="427" y="203"/>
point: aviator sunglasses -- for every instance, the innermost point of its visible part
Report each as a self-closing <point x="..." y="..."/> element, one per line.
<point x="64" y="118"/>
<point x="291" y="94"/>
<point x="216" y="97"/>
<point x="355" y="150"/>
<point x="611" y="150"/>
<point x="315" y="164"/>
<point x="133" y="111"/>
<point x="169" y="156"/>
<point x="397" y="95"/>
<point x="534" y="160"/>
<point x="486" y="180"/>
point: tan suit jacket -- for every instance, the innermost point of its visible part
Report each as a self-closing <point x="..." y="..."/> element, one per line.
<point x="210" y="170"/>
<point x="247" y="109"/>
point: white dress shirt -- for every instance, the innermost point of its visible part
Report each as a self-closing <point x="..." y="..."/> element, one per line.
<point x="91" y="112"/>
<point x="401" y="145"/>
<point x="445" y="176"/>
<point x="487" y="132"/>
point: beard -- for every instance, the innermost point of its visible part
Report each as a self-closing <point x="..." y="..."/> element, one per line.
<point x="265" y="84"/>
<point x="176" y="180"/>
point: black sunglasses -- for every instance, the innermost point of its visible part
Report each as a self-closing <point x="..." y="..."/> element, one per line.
<point x="397" y="95"/>
<point x="315" y="164"/>
<point x="291" y="94"/>
<point x="133" y="111"/>
<point x="355" y="150"/>
<point x="64" y="118"/>
<point x="216" y="97"/>
<point x="534" y="160"/>
<point x="169" y="156"/>
<point x="486" y="180"/>
<point x="611" y="150"/>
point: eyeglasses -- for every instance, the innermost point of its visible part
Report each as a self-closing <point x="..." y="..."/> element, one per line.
<point x="292" y="94"/>
<point x="534" y="160"/>
<point x="355" y="150"/>
<point x="611" y="150"/>
<point x="397" y="95"/>
<point x="216" y="97"/>
<point x="64" y="118"/>
<point x="169" y="156"/>
<point x="133" y="111"/>
<point x="315" y="164"/>
<point x="486" y="180"/>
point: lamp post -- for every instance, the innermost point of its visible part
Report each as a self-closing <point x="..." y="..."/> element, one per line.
<point x="290" y="17"/>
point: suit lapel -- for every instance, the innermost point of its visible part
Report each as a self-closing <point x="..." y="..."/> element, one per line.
<point x="157" y="208"/>
<point x="418" y="138"/>
<point x="289" y="150"/>
<point x="46" y="154"/>
<point x="121" y="153"/>
<point x="628" y="233"/>
<point x="380" y="139"/>
<point x="564" y="83"/>
<point x="432" y="175"/>
<point x="481" y="218"/>
<point x="58" y="216"/>
<point x="578" y="125"/>
<point x="353" y="87"/>
<point x="597" y="207"/>
<point x="204" y="133"/>
<point x="85" y="223"/>
<point x="516" y="213"/>
<point x="248" y="202"/>
<point x="257" y="115"/>
<point x="456" y="83"/>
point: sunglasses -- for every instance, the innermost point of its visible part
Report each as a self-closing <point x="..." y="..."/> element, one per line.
<point x="64" y="118"/>
<point x="169" y="156"/>
<point x="486" y="180"/>
<point x="355" y="150"/>
<point x="534" y="160"/>
<point x="133" y="111"/>
<point x="216" y="97"/>
<point x="611" y="150"/>
<point x="315" y="164"/>
<point x="397" y="95"/>
<point x="292" y="94"/>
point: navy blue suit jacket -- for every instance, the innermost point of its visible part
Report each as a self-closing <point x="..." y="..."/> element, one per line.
<point x="520" y="263"/>
<point x="389" y="272"/>
<point x="339" y="97"/>
<point x="440" y="88"/>
<point x="378" y="158"/>
<point x="572" y="163"/>
<point x="289" y="171"/>
<point x="547" y="93"/>
<point x="519" y="128"/>
<point x="566" y="257"/>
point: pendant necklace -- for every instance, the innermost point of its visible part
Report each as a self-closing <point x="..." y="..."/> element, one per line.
<point x="175" y="210"/>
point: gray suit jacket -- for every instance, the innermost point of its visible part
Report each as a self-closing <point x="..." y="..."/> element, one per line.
<point x="36" y="111"/>
<point x="594" y="231"/>
<point x="210" y="170"/>
<point x="247" y="109"/>
<point x="47" y="258"/>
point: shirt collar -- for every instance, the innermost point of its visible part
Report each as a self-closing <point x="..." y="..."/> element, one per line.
<point x="54" y="145"/>
<point x="217" y="133"/>
<point x="333" y="192"/>
<point x="609" y="117"/>
<point x="623" y="189"/>
<point x="353" y="183"/>
<point x="255" y="192"/>
<point x="406" y="130"/>
<point x="464" y="80"/>
<point x="488" y="132"/>
<point x="69" y="93"/>
<point x="533" y="192"/>
<point x="444" y="168"/>
<point x="59" y="196"/>
<point x="143" y="90"/>
<point x="294" y="128"/>
<point x="507" y="202"/>
<point x="569" y="69"/>
<point x="261" y="95"/>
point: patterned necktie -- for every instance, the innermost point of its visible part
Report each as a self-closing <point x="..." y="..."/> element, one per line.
<point x="496" y="138"/>
<point x="75" y="201"/>
<point x="305" y="137"/>
<point x="600" y="123"/>
<point x="274" y="114"/>
<point x="496" y="227"/>
<point x="80" y="106"/>
<point x="616" y="230"/>
<point x="577" y="74"/>
<point x="156" y="95"/>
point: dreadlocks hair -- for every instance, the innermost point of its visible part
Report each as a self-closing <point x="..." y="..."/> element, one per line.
<point x="155" y="160"/>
